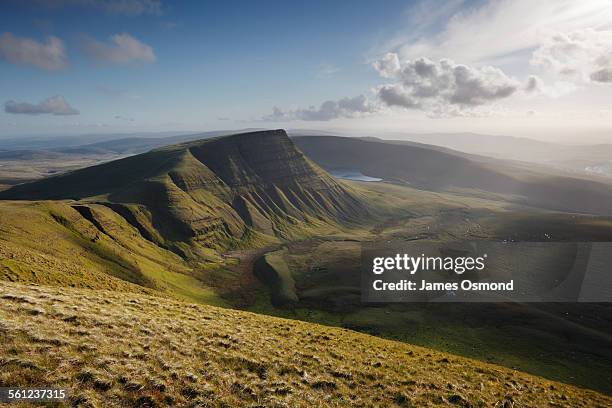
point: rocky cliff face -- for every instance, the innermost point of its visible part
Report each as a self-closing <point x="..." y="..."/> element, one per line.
<point x="213" y="193"/>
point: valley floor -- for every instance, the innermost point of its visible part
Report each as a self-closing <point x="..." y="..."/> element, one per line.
<point x="127" y="349"/>
<point x="563" y="342"/>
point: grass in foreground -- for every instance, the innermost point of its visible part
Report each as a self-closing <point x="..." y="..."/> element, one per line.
<point x="125" y="349"/>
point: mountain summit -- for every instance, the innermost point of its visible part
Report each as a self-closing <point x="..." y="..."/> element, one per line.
<point x="212" y="193"/>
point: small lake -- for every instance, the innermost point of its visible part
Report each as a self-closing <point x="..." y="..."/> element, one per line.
<point x="352" y="175"/>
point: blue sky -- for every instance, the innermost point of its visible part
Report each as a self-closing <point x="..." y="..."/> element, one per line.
<point x="148" y="65"/>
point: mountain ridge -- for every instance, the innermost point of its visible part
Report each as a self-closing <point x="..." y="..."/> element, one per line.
<point x="209" y="193"/>
<point x="438" y="169"/>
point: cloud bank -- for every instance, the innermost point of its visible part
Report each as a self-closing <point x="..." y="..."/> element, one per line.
<point x="438" y="88"/>
<point x="122" y="49"/>
<point x="55" y="105"/>
<point x="495" y="31"/>
<point x="441" y="87"/>
<point x="328" y="110"/>
<point x="49" y="55"/>
<point x="582" y="55"/>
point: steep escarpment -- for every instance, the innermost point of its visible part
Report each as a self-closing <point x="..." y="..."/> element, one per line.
<point x="265" y="180"/>
<point x="215" y="194"/>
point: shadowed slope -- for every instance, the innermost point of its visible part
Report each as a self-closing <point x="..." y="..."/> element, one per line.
<point x="434" y="169"/>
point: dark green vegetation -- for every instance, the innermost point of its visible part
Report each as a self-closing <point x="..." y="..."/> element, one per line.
<point x="192" y="221"/>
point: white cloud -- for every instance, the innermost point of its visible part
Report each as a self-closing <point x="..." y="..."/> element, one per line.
<point x="441" y="87"/>
<point x="49" y="55"/>
<point x="388" y="66"/>
<point x="126" y="7"/>
<point x="328" y="110"/>
<point x="497" y="30"/>
<point x="55" y="105"/>
<point x="582" y="55"/>
<point x="122" y="49"/>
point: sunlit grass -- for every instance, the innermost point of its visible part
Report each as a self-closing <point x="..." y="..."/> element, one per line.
<point x="125" y="349"/>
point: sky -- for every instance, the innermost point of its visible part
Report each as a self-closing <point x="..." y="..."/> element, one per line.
<point x="540" y="69"/>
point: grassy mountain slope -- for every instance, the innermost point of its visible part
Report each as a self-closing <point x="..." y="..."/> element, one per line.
<point x="52" y="243"/>
<point x="165" y="352"/>
<point x="209" y="193"/>
<point x="161" y="219"/>
<point x="439" y="170"/>
<point x="27" y="159"/>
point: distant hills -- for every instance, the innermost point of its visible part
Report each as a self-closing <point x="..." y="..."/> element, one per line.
<point x="440" y="169"/>
<point x="33" y="148"/>
<point x="135" y="144"/>
<point x="66" y="141"/>
<point x="46" y="155"/>
<point x="588" y="158"/>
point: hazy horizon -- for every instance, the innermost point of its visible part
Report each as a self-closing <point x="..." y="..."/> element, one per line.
<point x="345" y="132"/>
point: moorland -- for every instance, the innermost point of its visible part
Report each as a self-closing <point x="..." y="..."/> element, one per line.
<point x="255" y="221"/>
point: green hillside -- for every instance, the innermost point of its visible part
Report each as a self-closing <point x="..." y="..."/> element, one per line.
<point x="249" y="221"/>
<point x="162" y="220"/>
<point x="209" y="194"/>
<point x="51" y="243"/>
